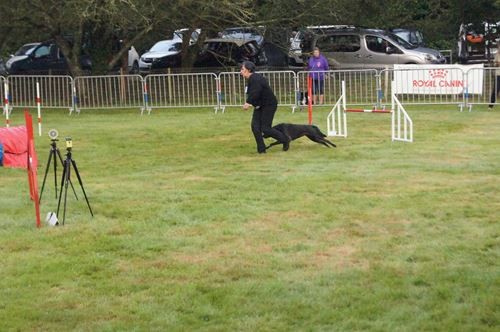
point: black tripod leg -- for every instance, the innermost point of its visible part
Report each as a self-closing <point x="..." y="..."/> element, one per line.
<point x="71" y="183"/>
<point x="45" y="177"/>
<point x="81" y="185"/>
<point x="55" y="170"/>
<point x="62" y="186"/>
<point x="68" y="172"/>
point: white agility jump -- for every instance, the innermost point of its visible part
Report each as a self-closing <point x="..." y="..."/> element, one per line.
<point x="401" y="124"/>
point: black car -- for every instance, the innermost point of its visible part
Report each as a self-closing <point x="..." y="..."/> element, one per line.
<point x="226" y="52"/>
<point x="41" y="58"/>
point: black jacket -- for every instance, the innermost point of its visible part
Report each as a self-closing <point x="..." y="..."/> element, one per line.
<point x="259" y="92"/>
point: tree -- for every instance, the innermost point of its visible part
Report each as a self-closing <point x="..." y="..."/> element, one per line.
<point x="83" y="26"/>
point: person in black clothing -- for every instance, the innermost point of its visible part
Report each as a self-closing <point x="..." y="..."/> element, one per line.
<point x="262" y="98"/>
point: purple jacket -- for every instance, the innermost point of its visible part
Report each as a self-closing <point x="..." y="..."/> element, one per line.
<point x="317" y="66"/>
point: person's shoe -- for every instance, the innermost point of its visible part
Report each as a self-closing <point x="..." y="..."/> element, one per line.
<point x="490" y="107"/>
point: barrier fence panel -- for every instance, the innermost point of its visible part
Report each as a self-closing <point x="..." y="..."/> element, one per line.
<point x="440" y="85"/>
<point x="361" y="86"/>
<point x="181" y="90"/>
<point x="232" y="87"/>
<point x="448" y="54"/>
<point x="113" y="91"/>
<point x="283" y="84"/>
<point x="488" y="92"/>
<point x="55" y="91"/>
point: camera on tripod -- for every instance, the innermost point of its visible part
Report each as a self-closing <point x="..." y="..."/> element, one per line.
<point x="68" y="163"/>
<point x="69" y="143"/>
<point x="53" y="134"/>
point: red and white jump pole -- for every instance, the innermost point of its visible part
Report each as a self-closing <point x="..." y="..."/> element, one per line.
<point x="6" y="103"/>
<point x="367" y="111"/>
<point x="38" y="106"/>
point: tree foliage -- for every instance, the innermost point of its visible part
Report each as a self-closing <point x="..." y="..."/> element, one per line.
<point x="106" y="28"/>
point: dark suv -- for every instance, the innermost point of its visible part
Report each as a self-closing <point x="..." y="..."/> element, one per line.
<point x="41" y="58"/>
<point x="222" y="52"/>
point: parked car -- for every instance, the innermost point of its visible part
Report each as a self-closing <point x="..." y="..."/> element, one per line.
<point x="245" y="33"/>
<point x="25" y="49"/>
<point x="478" y="44"/>
<point x="301" y="40"/>
<point x="179" y="35"/>
<point x="133" y="61"/>
<point x="371" y="48"/>
<point x="412" y="36"/>
<point x="222" y="52"/>
<point x="42" y="58"/>
<point x="163" y="54"/>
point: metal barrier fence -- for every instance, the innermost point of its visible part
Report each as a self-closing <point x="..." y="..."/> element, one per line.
<point x="413" y="86"/>
<point x="232" y="88"/>
<point x="283" y="84"/>
<point x="487" y="93"/>
<point x="181" y="90"/>
<point x="114" y="91"/>
<point x="361" y="86"/>
<point x="444" y="85"/>
<point x="55" y="91"/>
<point x="448" y="54"/>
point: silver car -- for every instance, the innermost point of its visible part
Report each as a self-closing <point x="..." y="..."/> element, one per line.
<point x="371" y="48"/>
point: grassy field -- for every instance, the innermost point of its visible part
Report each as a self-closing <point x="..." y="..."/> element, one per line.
<point x="195" y="231"/>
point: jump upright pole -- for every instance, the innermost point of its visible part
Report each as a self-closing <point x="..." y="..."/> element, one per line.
<point x="309" y="99"/>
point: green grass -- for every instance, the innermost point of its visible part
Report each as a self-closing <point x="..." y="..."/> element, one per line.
<point x="195" y="231"/>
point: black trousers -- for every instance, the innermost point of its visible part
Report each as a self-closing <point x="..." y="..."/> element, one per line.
<point x="495" y="90"/>
<point x="262" y="123"/>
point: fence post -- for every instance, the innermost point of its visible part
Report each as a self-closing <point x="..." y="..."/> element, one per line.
<point x="297" y="92"/>
<point x="146" y="97"/>
<point x="38" y="107"/>
<point x="74" y="99"/>
<point x="465" y="93"/>
<point x="218" y="92"/>
<point x="378" y="84"/>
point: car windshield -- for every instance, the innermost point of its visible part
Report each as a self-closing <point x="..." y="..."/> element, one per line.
<point x="25" y="49"/>
<point x="402" y="42"/>
<point x="165" y="46"/>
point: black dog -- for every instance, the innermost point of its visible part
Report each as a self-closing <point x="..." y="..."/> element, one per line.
<point x="294" y="131"/>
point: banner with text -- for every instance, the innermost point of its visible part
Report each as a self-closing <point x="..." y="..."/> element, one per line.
<point x="437" y="79"/>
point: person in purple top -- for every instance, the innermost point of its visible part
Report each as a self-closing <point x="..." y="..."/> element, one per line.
<point x="317" y="65"/>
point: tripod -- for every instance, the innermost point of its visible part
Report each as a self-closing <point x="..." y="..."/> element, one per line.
<point x="53" y="153"/>
<point x="66" y="179"/>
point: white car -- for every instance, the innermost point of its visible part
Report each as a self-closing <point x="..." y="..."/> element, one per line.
<point x="133" y="60"/>
<point x="245" y="33"/>
<point x="163" y="54"/>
